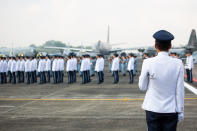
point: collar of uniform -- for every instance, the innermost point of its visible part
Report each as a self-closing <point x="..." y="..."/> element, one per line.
<point x="162" y="53"/>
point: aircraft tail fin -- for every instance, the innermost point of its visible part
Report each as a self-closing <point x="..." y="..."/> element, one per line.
<point x="192" y="39"/>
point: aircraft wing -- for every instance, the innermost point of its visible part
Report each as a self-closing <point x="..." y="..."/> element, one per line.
<point x="70" y="48"/>
<point x="116" y="44"/>
<point x="123" y="49"/>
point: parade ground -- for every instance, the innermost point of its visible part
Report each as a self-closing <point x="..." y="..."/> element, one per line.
<point x="77" y="107"/>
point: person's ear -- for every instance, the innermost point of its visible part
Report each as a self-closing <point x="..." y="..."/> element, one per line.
<point x="156" y="46"/>
<point x="170" y="46"/>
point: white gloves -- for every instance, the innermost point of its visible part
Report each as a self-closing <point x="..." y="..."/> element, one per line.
<point x="180" y="116"/>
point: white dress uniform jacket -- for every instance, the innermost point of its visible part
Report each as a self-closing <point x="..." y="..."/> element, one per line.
<point x="48" y="65"/>
<point x="115" y="64"/>
<point x="54" y="65"/>
<point x="32" y="65"/>
<point x="83" y="65"/>
<point x="1" y="66"/>
<point x="97" y="66"/>
<point x="9" y="65"/>
<point x="88" y="63"/>
<point x="35" y="62"/>
<point x="75" y="64"/>
<point x="102" y="64"/>
<point x="22" y="65"/>
<point x="13" y="66"/>
<point x="189" y="62"/>
<point x="27" y="65"/>
<point x="61" y="64"/>
<point x="69" y="65"/>
<point x="17" y="65"/>
<point x="5" y="66"/>
<point x="131" y="64"/>
<point x="44" y="64"/>
<point x="58" y="64"/>
<point x="163" y="78"/>
<point x="41" y="65"/>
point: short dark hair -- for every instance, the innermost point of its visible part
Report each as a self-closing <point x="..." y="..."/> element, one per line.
<point x="174" y="53"/>
<point x="163" y="45"/>
<point x="146" y="54"/>
<point x="189" y="52"/>
<point x="131" y="54"/>
<point x="116" y="55"/>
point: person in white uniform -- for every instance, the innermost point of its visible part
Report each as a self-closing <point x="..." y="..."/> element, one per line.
<point x="130" y="67"/>
<point x="18" y="69"/>
<point x="98" y="68"/>
<point x="83" y="69"/>
<point x="69" y="69"/>
<point x="61" y="69"/>
<point x="27" y="69"/>
<point x="74" y="67"/>
<point x="9" y="69"/>
<point x="5" y="66"/>
<point x="145" y="56"/>
<point x="102" y="65"/>
<point x="22" y="69"/>
<point x="55" y="69"/>
<point x="58" y="69"/>
<point x="44" y="69"/>
<point x="189" y="66"/>
<point x="41" y="69"/>
<point x="88" y="68"/>
<point x="173" y="54"/>
<point x="35" y="67"/>
<point x="13" y="70"/>
<point x="48" y="68"/>
<point x="115" y="68"/>
<point x="1" y="70"/>
<point x="163" y="78"/>
<point x="31" y="70"/>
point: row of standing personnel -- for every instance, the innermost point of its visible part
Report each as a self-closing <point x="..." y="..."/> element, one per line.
<point x="21" y="69"/>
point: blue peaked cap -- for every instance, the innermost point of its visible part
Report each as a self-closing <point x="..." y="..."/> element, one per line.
<point x="163" y="35"/>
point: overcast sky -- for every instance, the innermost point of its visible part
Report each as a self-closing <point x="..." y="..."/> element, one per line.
<point x="24" y="22"/>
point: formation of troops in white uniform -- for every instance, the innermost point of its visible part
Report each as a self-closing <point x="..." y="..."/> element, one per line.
<point x="27" y="69"/>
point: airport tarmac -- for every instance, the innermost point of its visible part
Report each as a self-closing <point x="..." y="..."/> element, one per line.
<point x="77" y="107"/>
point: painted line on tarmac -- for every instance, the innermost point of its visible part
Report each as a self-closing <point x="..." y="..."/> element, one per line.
<point x="74" y="99"/>
<point x="191" y="88"/>
<point x="6" y="106"/>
